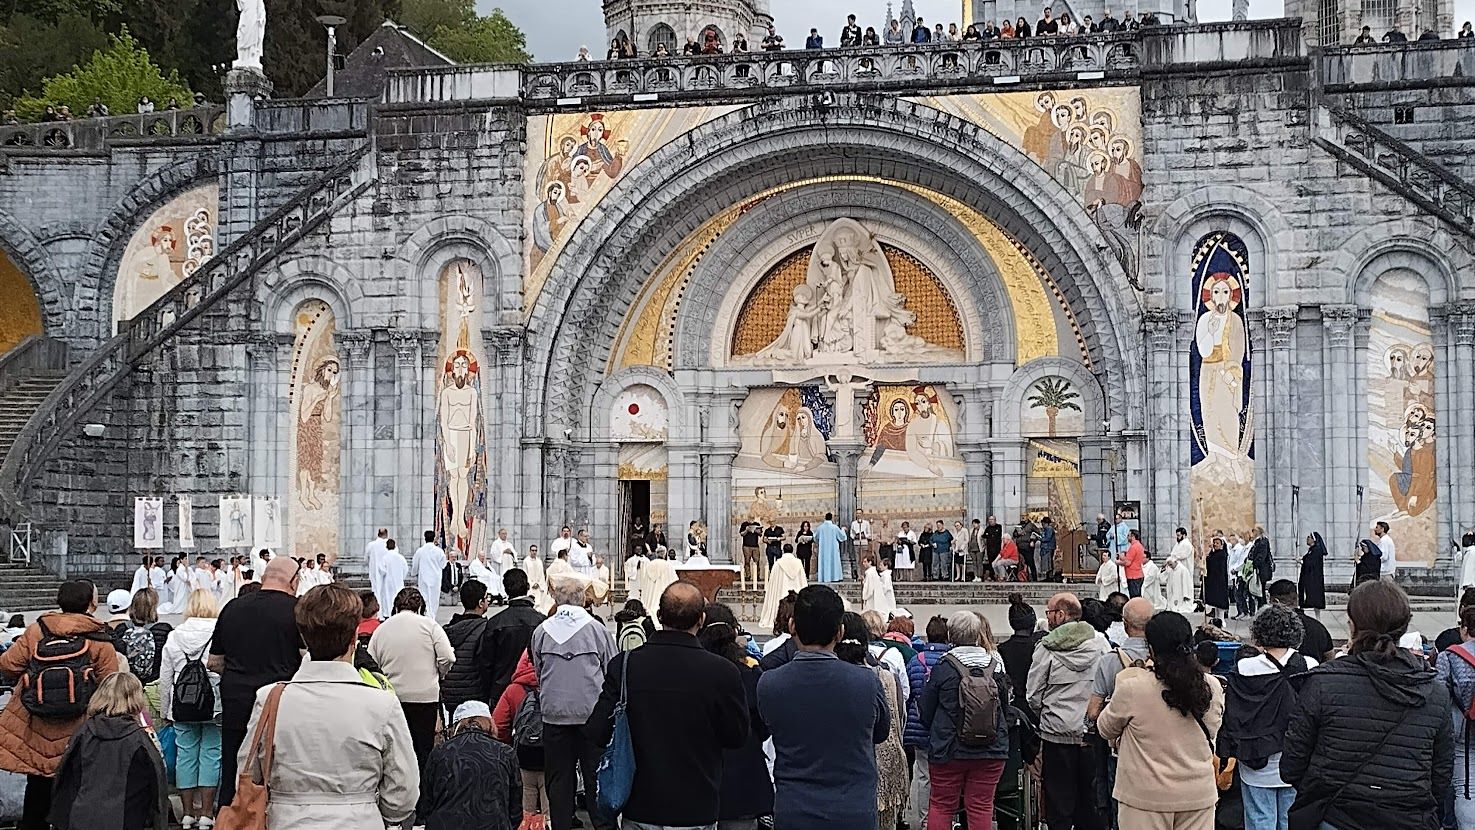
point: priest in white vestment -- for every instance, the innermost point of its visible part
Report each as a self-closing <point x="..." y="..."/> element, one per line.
<point x="141" y="576"/>
<point x="1178" y="581"/>
<point x="373" y="553"/>
<point x="426" y="570"/>
<point x="581" y="555"/>
<point x="787" y="574"/>
<point x="1108" y="578"/>
<point x="873" y="591"/>
<point x="532" y="565"/>
<point x="157" y="577"/>
<point x="655" y="576"/>
<point x="632" y="574"/>
<point x="392" y="570"/>
<point x="1152" y="584"/>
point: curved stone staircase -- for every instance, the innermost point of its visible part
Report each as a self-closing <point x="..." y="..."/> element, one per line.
<point x="65" y="407"/>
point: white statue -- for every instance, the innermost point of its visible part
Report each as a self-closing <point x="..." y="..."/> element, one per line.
<point x="250" y="34"/>
<point x="847" y="311"/>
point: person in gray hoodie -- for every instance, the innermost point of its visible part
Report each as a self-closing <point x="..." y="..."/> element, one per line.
<point x="570" y="651"/>
<point x="1058" y="689"/>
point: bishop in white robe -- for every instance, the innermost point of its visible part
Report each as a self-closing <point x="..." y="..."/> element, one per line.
<point x="787" y="574"/>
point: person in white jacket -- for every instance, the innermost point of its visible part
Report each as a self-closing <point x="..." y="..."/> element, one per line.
<point x="426" y="570"/>
<point x="198" y="764"/>
<point x="414" y="653"/>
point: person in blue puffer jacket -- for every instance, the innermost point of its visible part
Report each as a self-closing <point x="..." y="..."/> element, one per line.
<point x="914" y="739"/>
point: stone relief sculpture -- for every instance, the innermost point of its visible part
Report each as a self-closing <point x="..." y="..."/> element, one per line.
<point x="250" y="34"/>
<point x="847" y="311"/>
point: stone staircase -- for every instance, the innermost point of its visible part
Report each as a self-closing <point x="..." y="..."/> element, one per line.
<point x="26" y="588"/>
<point x="22" y="401"/>
<point x="1396" y="165"/>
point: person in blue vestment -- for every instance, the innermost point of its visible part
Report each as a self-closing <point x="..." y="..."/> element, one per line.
<point x="827" y="539"/>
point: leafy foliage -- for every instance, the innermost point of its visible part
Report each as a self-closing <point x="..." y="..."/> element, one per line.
<point x="33" y="49"/>
<point x="1054" y="393"/>
<point x="118" y="75"/>
<point x="453" y="27"/>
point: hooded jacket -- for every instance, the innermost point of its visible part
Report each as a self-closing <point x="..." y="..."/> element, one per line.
<point x="1371" y="736"/>
<point x="30" y="745"/>
<point x="523" y="680"/>
<point x="939" y="709"/>
<point x="111" y="778"/>
<point x="1059" y="684"/>
<point x="469" y="678"/>
<point x="918" y="670"/>
<point x="1257" y="710"/>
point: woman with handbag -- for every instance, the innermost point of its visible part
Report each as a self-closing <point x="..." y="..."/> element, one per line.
<point x="1370" y="743"/>
<point x="414" y="652"/>
<point x="326" y="750"/>
<point x="1165" y="720"/>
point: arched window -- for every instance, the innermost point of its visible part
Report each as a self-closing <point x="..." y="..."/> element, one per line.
<point x="1328" y="22"/>
<point x="662" y="34"/>
<point x="1379" y="15"/>
<point x="712" y="34"/>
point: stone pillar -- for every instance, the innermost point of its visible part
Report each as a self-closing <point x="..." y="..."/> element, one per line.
<point x="684" y="489"/>
<point x="1009" y="484"/>
<point x="407" y="499"/>
<point x="532" y="496"/>
<point x="1163" y="509"/>
<point x="504" y="426"/>
<point x="602" y="489"/>
<point x="720" y="546"/>
<point x="846" y="485"/>
<point x="264" y="438"/>
<point x="1462" y="425"/>
<point x="1095" y="479"/>
<point x="978" y="482"/>
<point x="1279" y="459"/>
<point x="356" y="453"/>
<point x="1342" y="410"/>
<point x="241" y="156"/>
<point x="430" y="370"/>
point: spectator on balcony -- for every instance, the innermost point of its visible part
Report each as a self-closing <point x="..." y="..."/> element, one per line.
<point x="1429" y="34"/>
<point x="1466" y="31"/>
<point x="991" y="31"/>
<point x="49" y="114"/>
<point x="870" y="38"/>
<point x="1006" y="32"/>
<point x="739" y="43"/>
<point x="921" y="34"/>
<point x="815" y="40"/>
<point x="199" y="99"/>
<point x="10" y="119"/>
<point x="1089" y="26"/>
<point x="1068" y="26"/>
<point x="774" y="42"/>
<point x="691" y="48"/>
<point x="1047" y="25"/>
<point x="1129" y="23"/>
<point x="662" y="51"/>
<point x="172" y="105"/>
<point x="583" y="56"/>
<point x="850" y="35"/>
<point x="972" y="35"/>
<point x="97" y="109"/>
<point x="894" y="36"/>
<point x="711" y="45"/>
<point x="1150" y="19"/>
<point x="615" y="52"/>
<point x="145" y="105"/>
<point x="64" y="112"/>
<point x="952" y="33"/>
<point x="1108" y="23"/>
<point x="1395" y="36"/>
<point x="939" y="35"/>
<point x="1366" y="38"/>
<point x="1021" y="27"/>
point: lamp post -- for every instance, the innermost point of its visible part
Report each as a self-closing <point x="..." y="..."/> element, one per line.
<point x="332" y="22"/>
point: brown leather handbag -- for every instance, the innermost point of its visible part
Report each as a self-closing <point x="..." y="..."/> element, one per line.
<point x="248" y="811"/>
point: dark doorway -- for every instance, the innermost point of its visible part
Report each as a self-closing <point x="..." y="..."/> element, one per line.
<point x="634" y="515"/>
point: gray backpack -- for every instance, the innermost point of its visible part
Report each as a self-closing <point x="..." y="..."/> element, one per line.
<point x="978" y="704"/>
<point x="527" y="724"/>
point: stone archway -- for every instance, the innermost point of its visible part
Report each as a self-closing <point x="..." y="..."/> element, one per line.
<point x="574" y="319"/>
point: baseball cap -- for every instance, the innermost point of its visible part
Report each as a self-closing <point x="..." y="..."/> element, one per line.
<point x="471" y="709"/>
<point x="118" y="601"/>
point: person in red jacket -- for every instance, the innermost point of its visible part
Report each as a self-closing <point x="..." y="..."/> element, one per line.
<point x="1132" y="561"/>
<point x="529" y="759"/>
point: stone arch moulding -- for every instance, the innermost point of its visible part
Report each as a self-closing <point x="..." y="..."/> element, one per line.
<point x="283" y="289"/>
<point x="1242" y="212"/>
<point x="29" y="255"/>
<point x="1011" y="400"/>
<point x="748" y="151"/>
<point x="499" y="259"/>
<point x="123" y="221"/>
<point x="1418" y="246"/>
<point x="609" y="388"/>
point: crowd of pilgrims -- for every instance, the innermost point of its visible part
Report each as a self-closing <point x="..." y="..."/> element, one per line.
<point x="329" y="714"/>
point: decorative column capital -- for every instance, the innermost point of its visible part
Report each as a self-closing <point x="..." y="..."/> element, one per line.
<point x="1339" y="320"/>
<point x="509" y="342"/>
<point x="406" y="345"/>
<point x="1280" y="324"/>
<point x="1161" y="327"/>
<point x="356" y="344"/>
<point x="262" y="348"/>
<point x="1461" y="319"/>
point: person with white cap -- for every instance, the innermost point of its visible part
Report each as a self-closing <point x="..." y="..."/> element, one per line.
<point x="471" y="779"/>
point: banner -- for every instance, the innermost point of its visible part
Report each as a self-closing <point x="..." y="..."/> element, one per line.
<point x="148" y="523"/>
<point x="235" y="521"/>
<point x="186" y="523"/>
<point x="267" y="524"/>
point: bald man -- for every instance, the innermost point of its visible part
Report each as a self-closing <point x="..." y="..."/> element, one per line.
<point x="686" y="706"/>
<point x="1132" y="651"/>
<point x="255" y="644"/>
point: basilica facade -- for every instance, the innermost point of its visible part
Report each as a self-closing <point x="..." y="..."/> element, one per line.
<point x="1201" y="273"/>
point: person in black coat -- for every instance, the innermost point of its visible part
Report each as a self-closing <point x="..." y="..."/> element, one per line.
<point x="1216" y="576"/>
<point x="685" y="707"/>
<point x="471" y="779"/>
<point x="1313" y="573"/>
<point x="1261" y="557"/>
<point x="506" y="636"/>
<point x="468" y="678"/>
<point x="1370" y="743"/>
<point x="112" y="774"/>
<point x="747" y="791"/>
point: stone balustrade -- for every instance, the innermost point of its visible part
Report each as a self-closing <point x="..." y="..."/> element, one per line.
<point x="95" y="133"/>
<point x="1417" y="65"/>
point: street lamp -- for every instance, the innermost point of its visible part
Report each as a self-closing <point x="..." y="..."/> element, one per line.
<point x="332" y="22"/>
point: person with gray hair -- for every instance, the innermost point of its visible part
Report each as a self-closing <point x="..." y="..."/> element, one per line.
<point x="1058" y="690"/>
<point x="570" y="652"/>
<point x="963" y="772"/>
<point x="1258" y="710"/>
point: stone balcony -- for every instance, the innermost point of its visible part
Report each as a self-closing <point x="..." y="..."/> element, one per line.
<point x="1417" y="65"/>
<point x="200" y="123"/>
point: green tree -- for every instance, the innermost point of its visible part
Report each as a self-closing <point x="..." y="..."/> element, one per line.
<point x="33" y="49"/>
<point x="453" y="27"/>
<point x="118" y="75"/>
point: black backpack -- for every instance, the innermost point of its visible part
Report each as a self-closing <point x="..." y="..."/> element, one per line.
<point x="194" y="698"/>
<point x="59" y="681"/>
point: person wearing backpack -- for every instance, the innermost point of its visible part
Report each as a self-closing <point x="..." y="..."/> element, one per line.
<point x="963" y="709"/>
<point x="505" y="638"/>
<point x="141" y="639"/>
<point x="518" y="721"/>
<point x="189" y="698"/>
<point x="1455" y="670"/>
<point x="632" y="626"/>
<point x="915" y="737"/>
<point x="57" y="664"/>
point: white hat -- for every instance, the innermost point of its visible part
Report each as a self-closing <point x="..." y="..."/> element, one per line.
<point x="118" y="601"/>
<point x="901" y="612"/>
<point x="471" y="709"/>
<point x="1412" y="639"/>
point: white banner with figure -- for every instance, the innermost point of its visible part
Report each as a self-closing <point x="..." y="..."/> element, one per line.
<point x="186" y="523"/>
<point x="268" y="523"/>
<point x="148" y="523"/>
<point x="235" y="521"/>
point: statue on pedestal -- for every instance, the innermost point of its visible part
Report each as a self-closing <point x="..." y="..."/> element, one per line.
<point x="250" y="34"/>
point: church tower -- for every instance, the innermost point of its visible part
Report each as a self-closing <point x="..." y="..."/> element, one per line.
<point x="1339" y="22"/>
<point x="649" y="23"/>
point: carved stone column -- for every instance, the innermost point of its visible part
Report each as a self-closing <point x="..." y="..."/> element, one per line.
<point x="1456" y="414"/>
<point x="978" y="482"/>
<point x="356" y="452"/>
<point x="409" y="404"/>
<point x="846" y="488"/>
<point x="1280" y="458"/>
<point x="1343" y="410"/>
<point x="1167" y="463"/>
<point x="721" y="539"/>
<point x="506" y="498"/>
<point x="265" y="440"/>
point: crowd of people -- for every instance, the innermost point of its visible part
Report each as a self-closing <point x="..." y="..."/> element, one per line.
<point x="1396" y="35"/>
<point x="1121" y="713"/>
